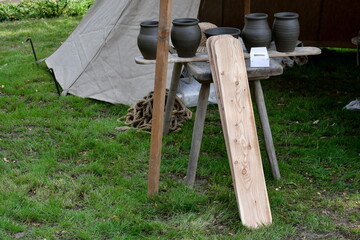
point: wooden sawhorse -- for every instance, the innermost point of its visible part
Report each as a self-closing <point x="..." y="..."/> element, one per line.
<point x="202" y="73"/>
<point x="200" y="70"/>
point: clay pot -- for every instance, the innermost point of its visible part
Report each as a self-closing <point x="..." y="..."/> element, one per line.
<point x="256" y="32"/>
<point x="235" y="32"/>
<point x="147" y="39"/>
<point x="186" y="36"/>
<point x="286" y="31"/>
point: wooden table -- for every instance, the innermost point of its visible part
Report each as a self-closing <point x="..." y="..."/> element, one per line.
<point x="200" y="70"/>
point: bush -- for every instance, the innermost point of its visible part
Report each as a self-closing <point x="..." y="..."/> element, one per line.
<point x="43" y="9"/>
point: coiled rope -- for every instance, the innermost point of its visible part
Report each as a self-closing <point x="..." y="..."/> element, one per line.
<point x="140" y="115"/>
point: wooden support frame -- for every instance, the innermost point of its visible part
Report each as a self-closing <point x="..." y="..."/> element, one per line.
<point x="159" y="93"/>
<point x="159" y="97"/>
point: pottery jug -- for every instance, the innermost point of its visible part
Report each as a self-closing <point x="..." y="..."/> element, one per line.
<point x="256" y="32"/>
<point x="186" y="36"/>
<point x="286" y="31"/>
<point x="147" y="39"/>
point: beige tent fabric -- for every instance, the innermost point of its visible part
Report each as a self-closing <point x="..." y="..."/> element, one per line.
<point x="97" y="59"/>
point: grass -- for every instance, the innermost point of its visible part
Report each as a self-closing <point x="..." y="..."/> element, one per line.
<point x="66" y="172"/>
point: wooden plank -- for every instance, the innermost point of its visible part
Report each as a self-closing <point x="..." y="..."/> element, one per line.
<point x="228" y="65"/>
<point x="159" y="97"/>
<point x="215" y="75"/>
<point x="200" y="57"/>
<point x="245" y="215"/>
<point x="174" y="58"/>
<point x="299" y="51"/>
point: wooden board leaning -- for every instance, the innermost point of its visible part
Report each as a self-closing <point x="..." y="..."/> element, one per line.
<point x="237" y="117"/>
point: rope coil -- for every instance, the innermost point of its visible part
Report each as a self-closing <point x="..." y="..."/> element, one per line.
<point x="140" y="115"/>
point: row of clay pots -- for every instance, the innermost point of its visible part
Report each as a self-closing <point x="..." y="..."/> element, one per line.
<point x="185" y="36"/>
<point x="285" y="31"/>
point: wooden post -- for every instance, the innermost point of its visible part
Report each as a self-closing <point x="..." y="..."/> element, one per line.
<point x="159" y="97"/>
<point x="247" y="7"/>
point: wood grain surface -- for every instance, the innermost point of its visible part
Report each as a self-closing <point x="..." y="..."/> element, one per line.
<point x="237" y="117"/>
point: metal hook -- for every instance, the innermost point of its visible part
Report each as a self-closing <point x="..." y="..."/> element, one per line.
<point x="56" y="83"/>
<point x="33" y="49"/>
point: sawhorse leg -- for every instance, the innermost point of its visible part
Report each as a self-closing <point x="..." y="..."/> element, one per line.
<point x="171" y="96"/>
<point x="197" y="133"/>
<point x="269" y="144"/>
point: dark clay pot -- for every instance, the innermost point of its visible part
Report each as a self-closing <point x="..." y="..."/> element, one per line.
<point x="235" y="32"/>
<point x="256" y="32"/>
<point x="286" y="31"/>
<point x="186" y="36"/>
<point x="147" y="39"/>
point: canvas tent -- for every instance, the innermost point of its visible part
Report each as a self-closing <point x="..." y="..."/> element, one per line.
<point x="97" y="59"/>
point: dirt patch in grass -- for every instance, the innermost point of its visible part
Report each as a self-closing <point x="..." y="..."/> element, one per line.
<point x="337" y="234"/>
<point x="311" y="235"/>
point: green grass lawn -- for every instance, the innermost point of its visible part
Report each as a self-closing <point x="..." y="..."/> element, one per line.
<point x="66" y="172"/>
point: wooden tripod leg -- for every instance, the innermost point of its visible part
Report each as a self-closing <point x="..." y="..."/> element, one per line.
<point x="197" y="133"/>
<point x="269" y="144"/>
<point x="159" y="97"/>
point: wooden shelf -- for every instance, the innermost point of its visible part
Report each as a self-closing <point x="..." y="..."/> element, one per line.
<point x="201" y="57"/>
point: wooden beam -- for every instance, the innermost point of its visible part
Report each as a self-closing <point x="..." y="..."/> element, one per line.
<point x="159" y="97"/>
<point x="247" y="7"/>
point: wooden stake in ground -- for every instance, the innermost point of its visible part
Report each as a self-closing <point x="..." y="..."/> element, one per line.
<point x="238" y="122"/>
<point x="159" y="97"/>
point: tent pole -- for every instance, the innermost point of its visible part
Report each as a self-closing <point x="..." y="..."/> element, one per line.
<point x="159" y="97"/>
